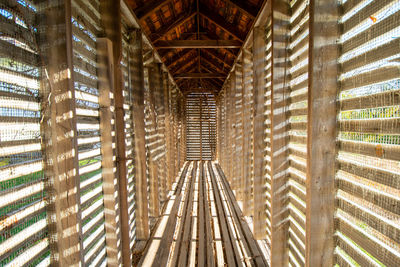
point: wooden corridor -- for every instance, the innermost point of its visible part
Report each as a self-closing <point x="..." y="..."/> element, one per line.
<point x="202" y="224"/>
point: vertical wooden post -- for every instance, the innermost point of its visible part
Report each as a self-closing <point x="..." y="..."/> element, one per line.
<point x="279" y="132"/>
<point x="137" y="83"/>
<point x="160" y="109"/>
<point x="227" y="137"/>
<point x="111" y="22"/>
<point x="232" y="131"/>
<point x="168" y="131"/>
<point x="238" y="131"/>
<point x="154" y="198"/>
<point x="259" y="130"/>
<point x="219" y="130"/>
<point x="246" y="125"/>
<point x="201" y="128"/>
<point x="110" y="183"/>
<point x="60" y="146"/>
<point x="321" y="128"/>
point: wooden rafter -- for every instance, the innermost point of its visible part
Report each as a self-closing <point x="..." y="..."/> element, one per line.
<point x="202" y="75"/>
<point x="203" y="59"/>
<point x="149" y="7"/>
<point x="217" y="87"/>
<point x="178" y="58"/>
<point x="220" y="78"/>
<point x="244" y="7"/>
<point x="219" y="21"/>
<point x="215" y="56"/>
<point x="186" y="65"/>
<point x="213" y="36"/>
<point x="167" y="29"/>
<point x="198" y="44"/>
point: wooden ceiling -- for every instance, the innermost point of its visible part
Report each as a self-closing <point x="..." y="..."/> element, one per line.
<point x="197" y="37"/>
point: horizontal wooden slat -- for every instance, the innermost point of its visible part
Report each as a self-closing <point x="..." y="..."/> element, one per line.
<point x="372" y="173"/>
<point x="353" y="251"/>
<point x="368" y="214"/>
<point x="372" y="8"/>
<point x="381" y="126"/>
<point x="354" y="186"/>
<point x="367" y="78"/>
<point x="391" y="152"/>
<point x="389" y="98"/>
<point x="375" y="249"/>
<point x="375" y="30"/>
<point x="379" y="53"/>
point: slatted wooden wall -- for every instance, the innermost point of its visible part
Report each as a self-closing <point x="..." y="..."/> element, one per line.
<point x="24" y="234"/>
<point x="73" y="134"/>
<point x="302" y="57"/>
<point x="367" y="207"/>
<point x="201" y="126"/>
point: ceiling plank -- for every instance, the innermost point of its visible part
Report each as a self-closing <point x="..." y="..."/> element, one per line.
<point x="167" y="29"/>
<point x="163" y="44"/>
<point x="149" y="7"/>
<point x="220" y="21"/>
<point x="202" y="75"/>
<point x="244" y="7"/>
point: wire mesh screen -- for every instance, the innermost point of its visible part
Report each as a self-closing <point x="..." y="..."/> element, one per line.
<point x="85" y="26"/>
<point x="201" y="126"/>
<point x="368" y="203"/>
<point x="24" y="236"/>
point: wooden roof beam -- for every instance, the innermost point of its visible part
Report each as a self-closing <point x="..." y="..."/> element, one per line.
<point x="186" y="65"/>
<point x="149" y="7"/>
<point x="221" y="79"/>
<point x="213" y="85"/>
<point x="215" y="56"/>
<point x="167" y="29"/>
<point x="210" y="36"/>
<point x="178" y="57"/>
<point x="212" y="64"/>
<point x="219" y="21"/>
<point x="244" y="7"/>
<point x="175" y="44"/>
<point x="201" y="75"/>
<point x="214" y="82"/>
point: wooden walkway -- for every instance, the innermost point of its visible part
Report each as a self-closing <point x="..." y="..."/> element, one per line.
<point x="202" y="224"/>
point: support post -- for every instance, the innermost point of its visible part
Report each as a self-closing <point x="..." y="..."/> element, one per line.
<point x="232" y="131"/>
<point x="321" y="128"/>
<point x="110" y="183"/>
<point x="160" y="109"/>
<point x="154" y="188"/>
<point x="246" y="126"/>
<point x="137" y="83"/>
<point x="59" y="132"/>
<point x="111" y="22"/>
<point x="201" y="128"/>
<point x="238" y="93"/>
<point x="279" y="29"/>
<point x="168" y="131"/>
<point x="259" y="136"/>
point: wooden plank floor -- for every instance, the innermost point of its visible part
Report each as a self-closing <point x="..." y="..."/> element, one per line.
<point x="202" y="224"/>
